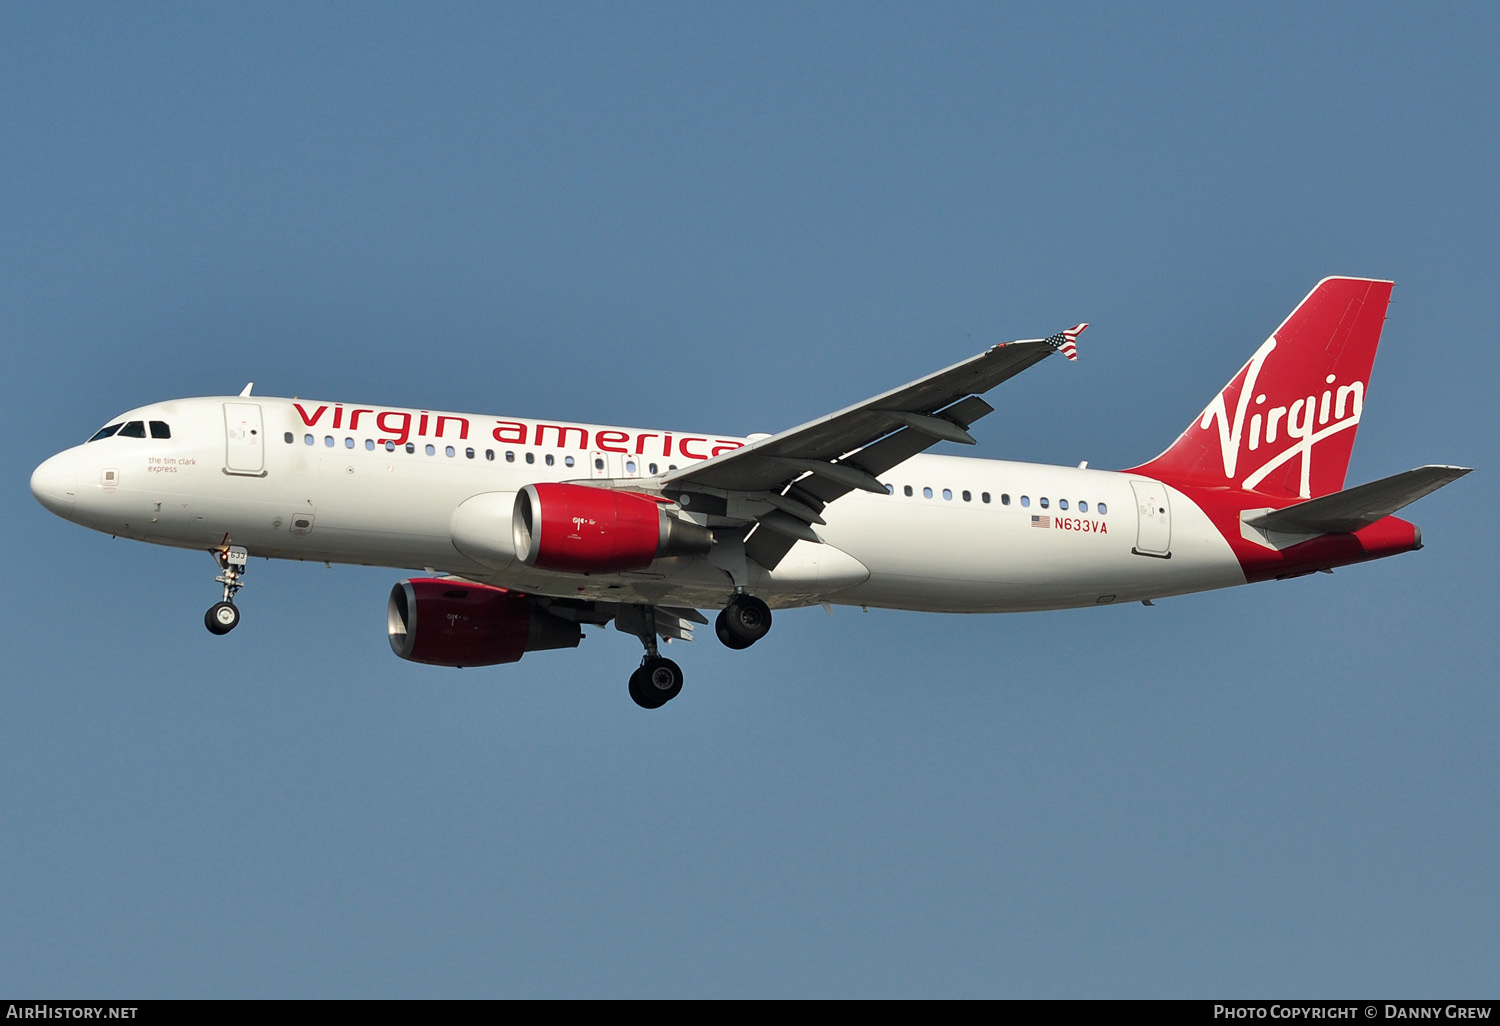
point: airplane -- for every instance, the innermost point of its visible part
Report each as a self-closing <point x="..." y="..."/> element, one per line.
<point x="530" y="530"/>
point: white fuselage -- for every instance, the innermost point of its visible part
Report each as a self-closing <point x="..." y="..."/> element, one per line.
<point x="406" y="488"/>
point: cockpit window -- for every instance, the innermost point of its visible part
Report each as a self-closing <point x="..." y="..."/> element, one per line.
<point x="105" y="432"/>
<point x="159" y="429"/>
<point x="135" y="429"/>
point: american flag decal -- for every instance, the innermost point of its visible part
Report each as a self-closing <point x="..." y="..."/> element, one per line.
<point x="1066" y="342"/>
<point x="1041" y="521"/>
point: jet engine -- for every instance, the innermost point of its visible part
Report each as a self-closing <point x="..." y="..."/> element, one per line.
<point x="581" y="529"/>
<point x="455" y="623"/>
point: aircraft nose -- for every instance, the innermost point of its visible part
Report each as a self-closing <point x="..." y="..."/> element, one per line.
<point x="55" y="484"/>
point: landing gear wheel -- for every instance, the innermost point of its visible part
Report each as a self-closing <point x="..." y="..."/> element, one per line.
<point x="721" y="628"/>
<point x="656" y="683"/>
<point x="640" y="697"/>
<point x="746" y="620"/>
<point x="221" y="618"/>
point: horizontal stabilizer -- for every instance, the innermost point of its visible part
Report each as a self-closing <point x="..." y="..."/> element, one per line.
<point x="1358" y="507"/>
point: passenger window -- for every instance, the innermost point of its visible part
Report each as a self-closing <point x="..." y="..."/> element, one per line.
<point x="348" y="443"/>
<point x="328" y="441"/>
<point x="985" y="497"/>
<point x="598" y="463"/>
<point x="430" y="450"/>
<point x="531" y="457"/>
<point x="390" y="445"/>
<point x="967" y="496"/>
<point x="629" y="465"/>
<point x="907" y="490"/>
<point x="1083" y="507"/>
<point x="890" y="489"/>
<point x="469" y="453"/>
<point x="290" y="438"/>
<point x="948" y="494"/>
<point x="307" y="439"/>
<point x="448" y="451"/>
<point x="1062" y="503"/>
<point x="568" y="461"/>
<point x="510" y="457"/>
<point x="926" y="493"/>
<point x="1026" y="500"/>
<point x="489" y="454"/>
<point x="1043" y="501"/>
<point x="1004" y="499"/>
<point x="652" y="468"/>
<point x="159" y="429"/>
<point x="411" y="447"/>
<point x="369" y="445"/>
<point x="135" y="429"/>
<point x="1103" y="509"/>
<point x="550" y="460"/>
<point x="105" y="432"/>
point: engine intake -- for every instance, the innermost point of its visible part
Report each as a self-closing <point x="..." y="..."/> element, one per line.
<point x="454" y="623"/>
<point x="581" y="529"/>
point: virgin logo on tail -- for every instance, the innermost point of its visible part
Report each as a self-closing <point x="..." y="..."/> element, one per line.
<point x="1302" y="424"/>
<point x="1300" y="396"/>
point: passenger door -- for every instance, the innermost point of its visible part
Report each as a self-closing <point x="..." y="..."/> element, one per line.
<point x="244" y="440"/>
<point x="1153" y="519"/>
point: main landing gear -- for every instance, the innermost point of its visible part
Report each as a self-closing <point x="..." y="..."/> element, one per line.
<point x="223" y="616"/>
<point x="743" y="622"/>
<point x="659" y="680"/>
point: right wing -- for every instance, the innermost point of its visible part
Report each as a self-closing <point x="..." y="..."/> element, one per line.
<point x="780" y="485"/>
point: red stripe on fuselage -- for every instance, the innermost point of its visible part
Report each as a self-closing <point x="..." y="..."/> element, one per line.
<point x="1223" y="506"/>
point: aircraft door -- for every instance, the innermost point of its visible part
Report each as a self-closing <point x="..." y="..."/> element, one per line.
<point x="1153" y="518"/>
<point x="244" y="440"/>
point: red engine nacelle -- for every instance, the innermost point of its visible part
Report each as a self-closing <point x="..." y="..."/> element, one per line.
<point x="452" y="623"/>
<point x="580" y="529"/>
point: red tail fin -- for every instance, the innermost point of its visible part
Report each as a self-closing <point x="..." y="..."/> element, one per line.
<point x="1285" y="423"/>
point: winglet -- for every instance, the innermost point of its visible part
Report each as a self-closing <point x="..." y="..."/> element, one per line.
<point x="248" y="388"/>
<point x="1066" y="342"/>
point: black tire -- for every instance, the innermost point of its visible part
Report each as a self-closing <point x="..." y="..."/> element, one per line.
<point x="221" y="618"/>
<point x="660" y="681"/>
<point x="721" y="628"/>
<point x="638" y="696"/>
<point x="647" y="697"/>
<point x="746" y="619"/>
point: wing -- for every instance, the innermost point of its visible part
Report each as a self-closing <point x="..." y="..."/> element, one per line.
<point x="777" y="487"/>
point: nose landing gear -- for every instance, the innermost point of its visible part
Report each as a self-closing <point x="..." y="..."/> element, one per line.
<point x="223" y="616"/>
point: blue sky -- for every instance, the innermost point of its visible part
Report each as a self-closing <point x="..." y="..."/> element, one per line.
<point x="735" y="218"/>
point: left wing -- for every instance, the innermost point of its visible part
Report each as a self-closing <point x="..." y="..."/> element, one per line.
<point x="781" y="484"/>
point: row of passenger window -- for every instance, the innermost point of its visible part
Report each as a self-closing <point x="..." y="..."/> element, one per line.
<point x="133" y="429"/>
<point x="631" y="465"/>
<point x="1044" y="502"/>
